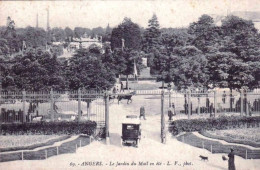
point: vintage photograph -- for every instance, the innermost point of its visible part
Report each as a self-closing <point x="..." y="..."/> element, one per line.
<point x="130" y="85"/>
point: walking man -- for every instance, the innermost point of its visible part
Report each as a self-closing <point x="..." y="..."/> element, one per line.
<point x="142" y="113"/>
<point x="122" y="86"/>
<point x="231" y="160"/>
<point x="170" y="113"/>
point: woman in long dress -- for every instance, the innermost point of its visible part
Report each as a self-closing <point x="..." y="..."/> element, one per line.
<point x="231" y="160"/>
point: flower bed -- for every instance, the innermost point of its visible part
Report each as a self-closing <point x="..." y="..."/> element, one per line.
<point x="248" y="136"/>
<point x="49" y="128"/>
<point x="220" y="123"/>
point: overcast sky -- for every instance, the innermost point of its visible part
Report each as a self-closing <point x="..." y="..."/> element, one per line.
<point x="174" y="13"/>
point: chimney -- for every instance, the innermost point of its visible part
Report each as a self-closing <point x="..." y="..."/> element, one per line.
<point x="48" y="24"/>
<point x="37" y="21"/>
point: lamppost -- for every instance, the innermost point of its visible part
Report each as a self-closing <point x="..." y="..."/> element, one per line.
<point x="188" y="84"/>
<point x="169" y="89"/>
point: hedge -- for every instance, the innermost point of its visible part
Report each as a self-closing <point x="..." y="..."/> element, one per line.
<point x="220" y="123"/>
<point x="230" y="140"/>
<point x="49" y="128"/>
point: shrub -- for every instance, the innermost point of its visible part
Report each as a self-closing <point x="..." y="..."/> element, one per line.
<point x="220" y="123"/>
<point x="49" y="128"/>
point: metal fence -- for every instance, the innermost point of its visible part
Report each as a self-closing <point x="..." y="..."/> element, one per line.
<point x="220" y="101"/>
<point x="216" y="102"/>
<point x="52" y="106"/>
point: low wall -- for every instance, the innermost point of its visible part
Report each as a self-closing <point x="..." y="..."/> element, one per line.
<point x="218" y="147"/>
<point x="67" y="146"/>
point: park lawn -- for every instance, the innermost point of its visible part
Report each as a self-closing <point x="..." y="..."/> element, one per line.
<point x="248" y="134"/>
<point x="25" y="140"/>
<point x="144" y="85"/>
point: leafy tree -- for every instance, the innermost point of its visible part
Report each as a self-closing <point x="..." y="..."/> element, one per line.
<point x="79" y="31"/>
<point x="86" y="70"/>
<point x="124" y="62"/>
<point x="98" y="31"/>
<point x="69" y="33"/>
<point x="4" y="49"/>
<point x="57" y="34"/>
<point x="37" y="70"/>
<point x="107" y="35"/>
<point x="186" y="66"/>
<point x="6" y="77"/>
<point x="240" y="42"/>
<point x="152" y="35"/>
<point x="57" y="50"/>
<point x="128" y="31"/>
<point x="205" y="33"/>
<point x="33" y="37"/>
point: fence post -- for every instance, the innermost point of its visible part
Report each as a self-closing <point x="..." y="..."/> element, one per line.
<point x="241" y="102"/>
<point x="215" y="103"/>
<point x="51" y="105"/>
<point x="107" y="117"/>
<point x="198" y="104"/>
<point x="246" y="153"/>
<point x="24" y="100"/>
<point x="79" y="105"/>
<point x="189" y="104"/>
<point x="46" y="154"/>
<point x="211" y="148"/>
<point x="170" y="96"/>
<point x="163" y="135"/>
<point x="246" y="102"/>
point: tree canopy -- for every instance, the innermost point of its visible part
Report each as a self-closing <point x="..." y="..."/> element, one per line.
<point x="128" y="31"/>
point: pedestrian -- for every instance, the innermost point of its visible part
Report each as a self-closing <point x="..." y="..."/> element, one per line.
<point x="173" y="109"/>
<point x="207" y="103"/>
<point x="231" y="160"/>
<point x="249" y="108"/>
<point x="170" y="113"/>
<point x="114" y="90"/>
<point x="122" y="86"/>
<point x="211" y="110"/>
<point x="224" y="95"/>
<point x="142" y="113"/>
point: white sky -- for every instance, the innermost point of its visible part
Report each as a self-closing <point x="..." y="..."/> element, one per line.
<point x="174" y="13"/>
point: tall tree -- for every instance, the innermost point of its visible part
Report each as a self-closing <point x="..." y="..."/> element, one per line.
<point x="79" y="31"/>
<point x="128" y="31"/>
<point x="69" y="33"/>
<point x="33" y="37"/>
<point x="57" y="34"/>
<point x="86" y="70"/>
<point x="205" y="33"/>
<point x="152" y="35"/>
<point x="240" y="43"/>
<point x="37" y="70"/>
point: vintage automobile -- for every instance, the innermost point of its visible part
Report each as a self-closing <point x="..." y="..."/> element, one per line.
<point x="131" y="131"/>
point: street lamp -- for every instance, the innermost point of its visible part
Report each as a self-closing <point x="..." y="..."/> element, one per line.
<point x="169" y="89"/>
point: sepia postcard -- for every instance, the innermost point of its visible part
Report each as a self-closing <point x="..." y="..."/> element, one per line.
<point x="130" y="85"/>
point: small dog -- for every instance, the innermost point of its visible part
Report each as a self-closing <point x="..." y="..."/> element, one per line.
<point x="204" y="158"/>
<point x="224" y="158"/>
